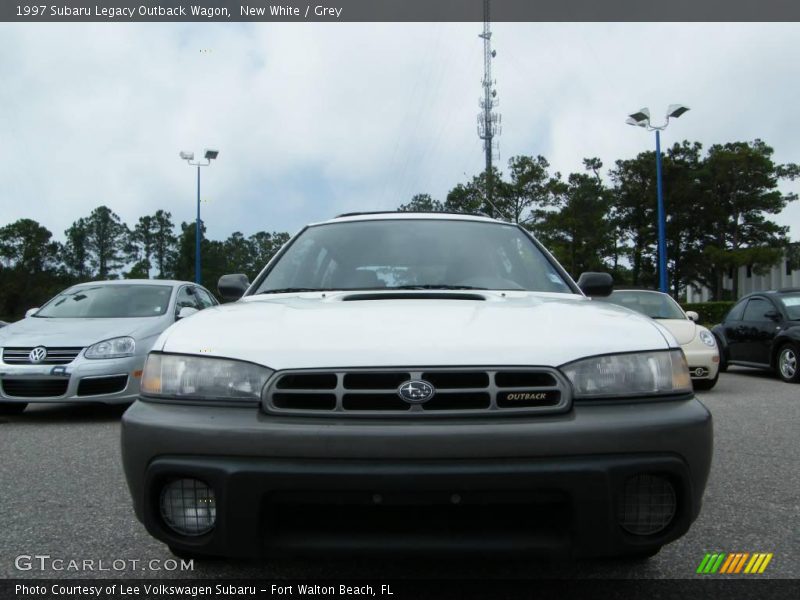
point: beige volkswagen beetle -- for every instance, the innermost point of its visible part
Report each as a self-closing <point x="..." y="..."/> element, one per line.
<point x="697" y="342"/>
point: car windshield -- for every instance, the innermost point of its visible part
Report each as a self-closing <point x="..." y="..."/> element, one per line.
<point x="413" y="254"/>
<point x="109" y="302"/>
<point x="652" y="304"/>
<point x="792" y="304"/>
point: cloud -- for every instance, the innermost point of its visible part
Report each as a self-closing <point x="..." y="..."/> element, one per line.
<point x="316" y="119"/>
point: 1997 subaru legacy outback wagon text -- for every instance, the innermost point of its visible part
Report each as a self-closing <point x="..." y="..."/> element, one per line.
<point x="425" y="382"/>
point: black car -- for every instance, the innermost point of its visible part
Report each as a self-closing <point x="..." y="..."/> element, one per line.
<point x="763" y="330"/>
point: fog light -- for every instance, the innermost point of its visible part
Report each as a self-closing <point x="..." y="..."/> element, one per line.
<point x="188" y="506"/>
<point x="648" y="505"/>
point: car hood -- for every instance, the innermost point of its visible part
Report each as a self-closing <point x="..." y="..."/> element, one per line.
<point x="35" y="331"/>
<point x="316" y="331"/>
<point x="684" y="330"/>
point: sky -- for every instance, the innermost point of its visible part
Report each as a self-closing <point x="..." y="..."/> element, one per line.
<point x="315" y="119"/>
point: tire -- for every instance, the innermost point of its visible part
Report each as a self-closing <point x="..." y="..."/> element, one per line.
<point x="788" y="363"/>
<point x="12" y="408"/>
<point x="705" y="384"/>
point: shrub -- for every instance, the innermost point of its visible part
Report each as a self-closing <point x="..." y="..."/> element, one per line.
<point x="710" y="313"/>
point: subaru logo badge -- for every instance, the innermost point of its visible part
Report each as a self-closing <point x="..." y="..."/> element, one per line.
<point x="37" y="355"/>
<point x="416" y="391"/>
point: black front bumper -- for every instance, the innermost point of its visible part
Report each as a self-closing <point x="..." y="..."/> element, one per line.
<point x="555" y="506"/>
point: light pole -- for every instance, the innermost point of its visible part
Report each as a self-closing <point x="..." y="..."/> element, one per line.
<point x="642" y="119"/>
<point x="189" y="158"/>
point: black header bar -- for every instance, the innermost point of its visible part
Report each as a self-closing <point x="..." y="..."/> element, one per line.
<point x="71" y="11"/>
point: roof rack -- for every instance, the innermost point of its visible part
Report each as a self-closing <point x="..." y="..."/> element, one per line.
<point x="418" y="212"/>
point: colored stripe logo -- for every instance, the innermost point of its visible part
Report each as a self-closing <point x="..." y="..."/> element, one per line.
<point x="734" y="563"/>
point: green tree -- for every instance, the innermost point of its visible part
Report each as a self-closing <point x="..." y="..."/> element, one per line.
<point x="26" y="245"/>
<point x="633" y="210"/>
<point x="28" y="267"/>
<point x="140" y="270"/>
<point x="471" y="198"/>
<point x="740" y="187"/>
<point x="239" y="254"/>
<point x="106" y="238"/>
<point x="577" y="229"/>
<point x="164" y="242"/>
<point x="422" y="203"/>
<point x="264" y="246"/>
<point x="687" y="218"/>
<point x="142" y="242"/>
<point x="214" y="262"/>
<point x="530" y="190"/>
<point x="75" y="255"/>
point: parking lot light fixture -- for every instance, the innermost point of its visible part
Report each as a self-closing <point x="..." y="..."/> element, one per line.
<point x="641" y="118"/>
<point x="189" y="158"/>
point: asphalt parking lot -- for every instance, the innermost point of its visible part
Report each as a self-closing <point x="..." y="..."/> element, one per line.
<point x="63" y="494"/>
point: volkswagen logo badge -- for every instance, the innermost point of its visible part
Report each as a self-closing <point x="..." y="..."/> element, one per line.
<point x="416" y="391"/>
<point x="37" y="355"/>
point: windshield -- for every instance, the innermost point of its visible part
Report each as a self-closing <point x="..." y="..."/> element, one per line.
<point x="109" y="302"/>
<point x="792" y="304"/>
<point x="653" y="304"/>
<point x="413" y="254"/>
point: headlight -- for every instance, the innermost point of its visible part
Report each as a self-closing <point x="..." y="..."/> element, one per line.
<point x="626" y="375"/>
<point x="202" y="378"/>
<point x="113" y="348"/>
<point x="707" y="338"/>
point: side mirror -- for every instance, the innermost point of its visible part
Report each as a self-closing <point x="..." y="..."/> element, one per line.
<point x="186" y="311"/>
<point x="692" y="316"/>
<point x="772" y="315"/>
<point x="233" y="287"/>
<point x="596" y="284"/>
<point x="30" y="312"/>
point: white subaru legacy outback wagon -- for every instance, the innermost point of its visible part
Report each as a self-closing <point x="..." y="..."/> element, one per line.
<point x="402" y="381"/>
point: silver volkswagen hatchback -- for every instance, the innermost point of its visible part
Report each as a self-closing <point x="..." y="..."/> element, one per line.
<point x="88" y="344"/>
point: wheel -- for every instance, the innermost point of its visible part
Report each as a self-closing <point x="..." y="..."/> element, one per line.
<point x="12" y="408"/>
<point x="705" y="384"/>
<point x="788" y="368"/>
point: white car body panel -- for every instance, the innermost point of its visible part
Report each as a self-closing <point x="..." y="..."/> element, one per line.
<point x="314" y="330"/>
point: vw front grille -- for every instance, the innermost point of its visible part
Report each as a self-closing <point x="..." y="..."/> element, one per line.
<point x="35" y="388"/>
<point x="458" y="391"/>
<point x="55" y="356"/>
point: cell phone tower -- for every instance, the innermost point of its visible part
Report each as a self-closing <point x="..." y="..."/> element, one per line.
<point x="489" y="122"/>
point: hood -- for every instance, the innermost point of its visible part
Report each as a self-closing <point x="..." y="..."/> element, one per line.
<point x="315" y="331"/>
<point x="684" y="330"/>
<point x="35" y="331"/>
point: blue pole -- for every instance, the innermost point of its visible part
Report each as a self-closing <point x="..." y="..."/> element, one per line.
<point x="197" y="234"/>
<point x="662" y="223"/>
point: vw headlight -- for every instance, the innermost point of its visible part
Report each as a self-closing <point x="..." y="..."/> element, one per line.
<point x="707" y="338"/>
<point x="186" y="377"/>
<point x="114" y="348"/>
<point x="627" y="375"/>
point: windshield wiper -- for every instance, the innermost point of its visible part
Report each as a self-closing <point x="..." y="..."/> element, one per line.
<point x="293" y="290"/>
<point x="435" y="287"/>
